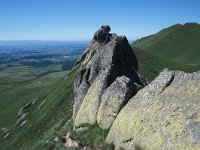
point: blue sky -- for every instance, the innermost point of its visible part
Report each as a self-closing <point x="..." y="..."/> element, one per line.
<point x="79" y="19"/>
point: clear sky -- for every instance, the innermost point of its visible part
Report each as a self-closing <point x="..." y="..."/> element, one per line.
<point x="79" y="19"/>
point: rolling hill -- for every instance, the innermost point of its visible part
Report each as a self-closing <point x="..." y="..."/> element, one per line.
<point x="176" y="47"/>
<point x="178" y="43"/>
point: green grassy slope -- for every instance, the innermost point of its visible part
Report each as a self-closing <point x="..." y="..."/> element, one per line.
<point x="20" y="85"/>
<point x="151" y="65"/>
<point x="178" y="43"/>
<point x="54" y="119"/>
<point x="43" y="124"/>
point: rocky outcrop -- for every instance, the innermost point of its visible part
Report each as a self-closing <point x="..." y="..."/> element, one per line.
<point x="23" y="112"/>
<point x="89" y="107"/>
<point x="102" y="35"/>
<point x="107" y="57"/>
<point x="163" y="115"/>
<point x="114" y="98"/>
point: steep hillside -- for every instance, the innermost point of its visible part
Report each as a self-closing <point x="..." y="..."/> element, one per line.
<point x="179" y="43"/>
<point x="151" y="65"/>
<point x="46" y="116"/>
<point x="20" y="85"/>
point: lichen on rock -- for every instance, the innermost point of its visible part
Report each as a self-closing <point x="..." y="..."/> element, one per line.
<point x="114" y="98"/>
<point x="163" y="115"/>
<point x="87" y="114"/>
<point x="107" y="57"/>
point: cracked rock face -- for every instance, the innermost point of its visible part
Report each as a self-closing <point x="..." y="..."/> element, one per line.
<point x="101" y="64"/>
<point x="114" y="98"/>
<point x="163" y="115"/>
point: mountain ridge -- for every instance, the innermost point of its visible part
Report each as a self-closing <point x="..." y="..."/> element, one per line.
<point x="178" y="43"/>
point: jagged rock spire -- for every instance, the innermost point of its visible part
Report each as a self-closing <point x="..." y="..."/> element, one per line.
<point x="107" y="57"/>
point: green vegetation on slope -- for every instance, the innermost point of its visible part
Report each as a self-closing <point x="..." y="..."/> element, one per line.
<point x="43" y="124"/>
<point x="20" y="85"/>
<point x="151" y="65"/>
<point x="178" y="43"/>
<point x="53" y="119"/>
<point x="93" y="136"/>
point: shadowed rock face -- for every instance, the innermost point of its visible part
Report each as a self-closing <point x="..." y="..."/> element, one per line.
<point x="163" y="115"/>
<point x="100" y="65"/>
<point x="102" y="35"/>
